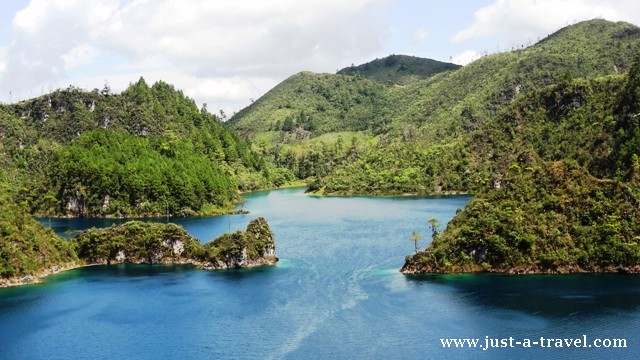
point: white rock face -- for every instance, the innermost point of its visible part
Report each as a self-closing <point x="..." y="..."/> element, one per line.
<point x="120" y="256"/>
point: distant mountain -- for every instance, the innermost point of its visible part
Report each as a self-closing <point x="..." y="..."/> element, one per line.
<point x="313" y="104"/>
<point x="399" y="69"/>
<point x="446" y="104"/>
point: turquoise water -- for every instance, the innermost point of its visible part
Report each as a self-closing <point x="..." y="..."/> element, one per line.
<point x="336" y="294"/>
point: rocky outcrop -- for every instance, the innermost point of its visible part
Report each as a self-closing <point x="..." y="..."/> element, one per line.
<point x="35" y="277"/>
<point x="156" y="243"/>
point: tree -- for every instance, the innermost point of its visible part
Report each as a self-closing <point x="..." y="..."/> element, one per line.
<point x="434" y="225"/>
<point x="288" y="124"/>
<point x="106" y="89"/>
<point x="415" y="237"/>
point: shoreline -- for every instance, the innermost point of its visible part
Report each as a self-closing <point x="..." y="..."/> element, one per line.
<point x="377" y="195"/>
<point x="523" y="270"/>
<point x="37" y="278"/>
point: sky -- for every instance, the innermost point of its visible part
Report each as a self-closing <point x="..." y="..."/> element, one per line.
<point x="228" y="53"/>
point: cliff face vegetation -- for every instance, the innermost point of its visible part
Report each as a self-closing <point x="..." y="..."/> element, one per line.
<point x="27" y="248"/>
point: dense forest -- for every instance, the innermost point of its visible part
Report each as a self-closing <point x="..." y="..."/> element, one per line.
<point x="564" y="195"/>
<point x="26" y="246"/>
<point x="147" y="151"/>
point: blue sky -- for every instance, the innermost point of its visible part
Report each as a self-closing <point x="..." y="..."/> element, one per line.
<point x="225" y="53"/>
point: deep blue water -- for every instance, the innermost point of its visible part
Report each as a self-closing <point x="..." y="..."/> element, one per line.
<point x="336" y="294"/>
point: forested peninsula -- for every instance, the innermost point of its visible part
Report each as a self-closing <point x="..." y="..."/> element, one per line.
<point x="566" y="200"/>
<point x="30" y="251"/>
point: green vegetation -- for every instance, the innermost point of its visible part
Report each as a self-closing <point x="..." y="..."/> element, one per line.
<point x="112" y="173"/>
<point x="26" y="246"/>
<point x="568" y="202"/>
<point x="546" y="217"/>
<point x="399" y="69"/>
<point x="415" y="237"/>
<point x="422" y="136"/>
<point x="308" y="104"/>
<point x="142" y="242"/>
<point x="28" y="249"/>
<point x="147" y="151"/>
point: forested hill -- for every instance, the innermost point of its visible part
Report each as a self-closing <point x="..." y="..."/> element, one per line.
<point x="562" y="185"/>
<point x="309" y="104"/>
<point x="146" y="151"/>
<point x="445" y="105"/>
<point x="399" y="69"/>
<point x="426" y="129"/>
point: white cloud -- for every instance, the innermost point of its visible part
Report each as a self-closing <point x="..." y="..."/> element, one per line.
<point x="420" y="35"/>
<point x="521" y="21"/>
<point x="79" y="55"/>
<point x="465" y="57"/>
<point x="3" y="60"/>
<point x="45" y="34"/>
<point x="218" y="42"/>
<point x="255" y="37"/>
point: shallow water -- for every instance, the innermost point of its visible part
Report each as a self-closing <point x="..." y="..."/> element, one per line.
<point x="336" y="293"/>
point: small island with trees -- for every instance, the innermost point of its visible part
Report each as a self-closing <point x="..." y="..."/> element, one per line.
<point x="30" y="251"/>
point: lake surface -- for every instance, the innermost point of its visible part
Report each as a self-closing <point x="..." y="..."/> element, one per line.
<point x="336" y="294"/>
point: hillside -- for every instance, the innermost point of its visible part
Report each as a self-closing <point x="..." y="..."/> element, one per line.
<point x="568" y="202"/>
<point x="309" y="104"/>
<point x="368" y="138"/>
<point x="146" y="151"/>
<point x="437" y="116"/>
<point x="27" y="248"/>
<point x="399" y="69"/>
<point x="544" y="218"/>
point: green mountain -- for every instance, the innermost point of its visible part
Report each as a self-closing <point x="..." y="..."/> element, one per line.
<point x="147" y="151"/>
<point x="568" y="202"/>
<point x="355" y="135"/>
<point x="399" y="69"/>
<point x="307" y="105"/>
<point x="425" y="145"/>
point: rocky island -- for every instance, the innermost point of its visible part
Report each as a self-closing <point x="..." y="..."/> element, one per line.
<point x="156" y="243"/>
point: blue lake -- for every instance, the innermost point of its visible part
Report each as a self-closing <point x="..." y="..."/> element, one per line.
<point x="336" y="294"/>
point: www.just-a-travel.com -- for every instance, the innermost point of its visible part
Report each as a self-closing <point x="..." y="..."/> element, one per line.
<point x="542" y="342"/>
